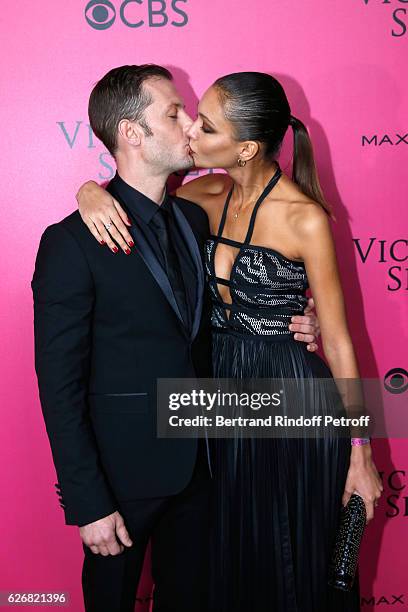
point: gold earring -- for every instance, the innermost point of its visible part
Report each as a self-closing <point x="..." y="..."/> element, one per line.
<point x="241" y="162"/>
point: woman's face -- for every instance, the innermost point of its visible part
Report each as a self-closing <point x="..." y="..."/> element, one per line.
<point x="211" y="136"/>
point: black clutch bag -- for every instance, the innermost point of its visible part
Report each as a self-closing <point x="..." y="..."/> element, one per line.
<point x="343" y="564"/>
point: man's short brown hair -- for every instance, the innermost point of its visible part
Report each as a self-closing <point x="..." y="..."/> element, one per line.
<point x="120" y="95"/>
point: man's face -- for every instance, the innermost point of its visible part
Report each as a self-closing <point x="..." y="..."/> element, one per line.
<point x="168" y="148"/>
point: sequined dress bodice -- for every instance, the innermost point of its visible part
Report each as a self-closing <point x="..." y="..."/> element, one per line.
<point x="266" y="288"/>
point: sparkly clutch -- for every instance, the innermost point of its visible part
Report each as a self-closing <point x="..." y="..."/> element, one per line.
<point x="343" y="564"/>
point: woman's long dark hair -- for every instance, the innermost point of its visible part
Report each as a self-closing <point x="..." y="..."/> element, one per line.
<point x="257" y="106"/>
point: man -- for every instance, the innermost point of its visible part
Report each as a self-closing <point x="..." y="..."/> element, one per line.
<point x="106" y="328"/>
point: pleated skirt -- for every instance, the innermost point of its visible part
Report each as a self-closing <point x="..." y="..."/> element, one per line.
<point x="276" y="502"/>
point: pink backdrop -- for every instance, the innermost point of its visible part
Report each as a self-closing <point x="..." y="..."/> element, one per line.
<point x="343" y="66"/>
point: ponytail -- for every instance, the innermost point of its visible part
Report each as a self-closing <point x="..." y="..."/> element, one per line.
<point x="304" y="172"/>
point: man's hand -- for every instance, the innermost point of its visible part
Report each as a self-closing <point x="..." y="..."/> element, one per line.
<point x="306" y="327"/>
<point x="102" y="536"/>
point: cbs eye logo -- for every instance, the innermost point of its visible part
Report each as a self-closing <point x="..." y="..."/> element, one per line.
<point x="396" y="380"/>
<point x="101" y="14"/>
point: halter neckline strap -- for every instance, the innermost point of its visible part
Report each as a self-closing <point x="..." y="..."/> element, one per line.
<point x="271" y="184"/>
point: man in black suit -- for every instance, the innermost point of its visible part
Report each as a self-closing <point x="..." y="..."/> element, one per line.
<point x="107" y="326"/>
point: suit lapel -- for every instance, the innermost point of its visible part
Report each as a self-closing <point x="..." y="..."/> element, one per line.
<point x="147" y="254"/>
<point x="149" y="257"/>
<point x="192" y="245"/>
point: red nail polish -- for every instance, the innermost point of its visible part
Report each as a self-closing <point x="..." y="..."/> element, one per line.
<point x="115" y="249"/>
<point x="102" y="242"/>
<point x="131" y="243"/>
<point x="128" y="220"/>
<point x="127" y="251"/>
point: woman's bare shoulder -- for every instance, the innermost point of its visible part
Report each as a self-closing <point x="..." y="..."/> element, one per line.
<point x="203" y="189"/>
<point x="306" y="217"/>
<point x="302" y="213"/>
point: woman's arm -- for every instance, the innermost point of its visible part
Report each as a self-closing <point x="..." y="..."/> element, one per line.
<point x="97" y="209"/>
<point x="202" y="190"/>
<point x="318" y="252"/>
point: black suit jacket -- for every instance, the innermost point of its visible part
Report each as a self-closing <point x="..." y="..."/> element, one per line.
<point x="106" y="327"/>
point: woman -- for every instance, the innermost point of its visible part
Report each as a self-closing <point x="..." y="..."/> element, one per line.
<point x="277" y="501"/>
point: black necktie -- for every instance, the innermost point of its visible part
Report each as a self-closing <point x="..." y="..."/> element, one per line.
<point x="161" y="223"/>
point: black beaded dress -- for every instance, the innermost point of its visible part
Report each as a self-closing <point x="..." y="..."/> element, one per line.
<point x="277" y="501"/>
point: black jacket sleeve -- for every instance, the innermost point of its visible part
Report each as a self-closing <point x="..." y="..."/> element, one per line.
<point x="64" y="296"/>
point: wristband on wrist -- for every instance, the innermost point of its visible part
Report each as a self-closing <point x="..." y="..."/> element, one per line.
<point x="360" y="441"/>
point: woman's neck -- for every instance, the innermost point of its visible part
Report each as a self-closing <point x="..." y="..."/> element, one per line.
<point x="251" y="180"/>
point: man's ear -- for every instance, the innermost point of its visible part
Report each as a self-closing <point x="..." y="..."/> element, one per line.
<point x="249" y="150"/>
<point x="131" y="132"/>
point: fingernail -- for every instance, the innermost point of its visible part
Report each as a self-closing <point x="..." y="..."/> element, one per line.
<point x="102" y="242"/>
<point x="290" y="327"/>
<point x="127" y="251"/>
<point x="129" y="222"/>
<point x="296" y="336"/>
<point x="115" y="249"/>
<point x="131" y="243"/>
